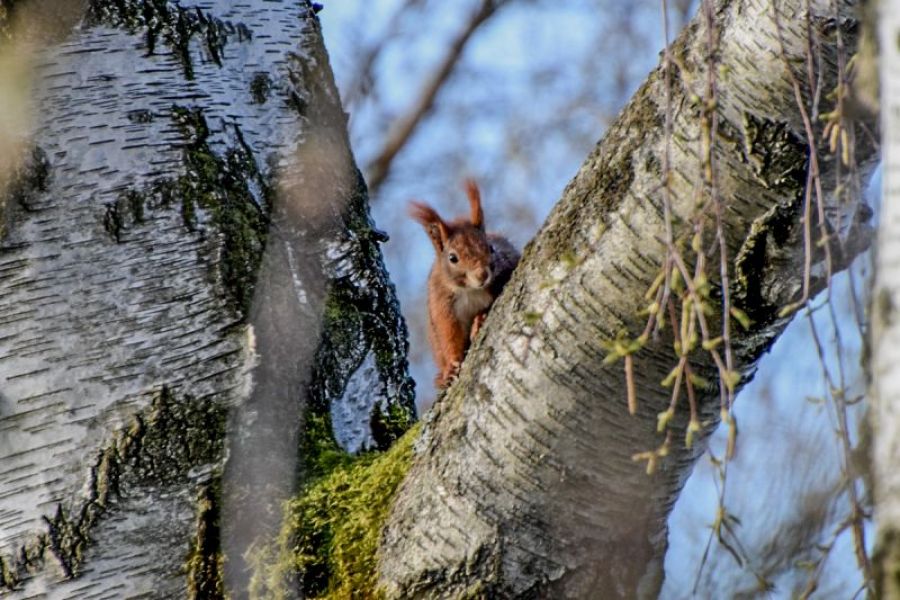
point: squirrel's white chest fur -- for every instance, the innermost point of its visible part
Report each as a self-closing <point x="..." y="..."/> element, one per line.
<point x="467" y="303"/>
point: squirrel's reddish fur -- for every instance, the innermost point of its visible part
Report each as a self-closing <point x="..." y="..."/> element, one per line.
<point x="470" y="269"/>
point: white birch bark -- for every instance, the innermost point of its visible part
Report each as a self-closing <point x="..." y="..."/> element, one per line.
<point x="168" y="140"/>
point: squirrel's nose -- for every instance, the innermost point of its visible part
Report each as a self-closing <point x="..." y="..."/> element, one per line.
<point x="483" y="275"/>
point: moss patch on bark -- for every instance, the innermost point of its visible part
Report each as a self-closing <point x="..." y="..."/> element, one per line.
<point x="219" y="185"/>
<point x="328" y="544"/>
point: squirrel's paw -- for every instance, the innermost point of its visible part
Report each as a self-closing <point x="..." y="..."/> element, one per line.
<point x="477" y="322"/>
<point x="444" y="379"/>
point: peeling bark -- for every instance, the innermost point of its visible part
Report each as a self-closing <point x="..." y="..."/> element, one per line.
<point x="187" y="205"/>
<point x="524" y="483"/>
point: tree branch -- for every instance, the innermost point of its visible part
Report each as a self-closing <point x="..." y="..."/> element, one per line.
<point x="526" y="484"/>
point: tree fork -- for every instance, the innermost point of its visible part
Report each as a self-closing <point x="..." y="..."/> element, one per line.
<point x="524" y="484"/>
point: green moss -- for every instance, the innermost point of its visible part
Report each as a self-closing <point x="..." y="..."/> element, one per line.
<point x="329" y="540"/>
<point x="351" y="328"/>
<point x="389" y="424"/>
<point x="218" y="185"/>
<point x="320" y="452"/>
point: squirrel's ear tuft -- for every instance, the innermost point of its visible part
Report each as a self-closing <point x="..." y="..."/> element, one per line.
<point x="475" y="203"/>
<point x="432" y="222"/>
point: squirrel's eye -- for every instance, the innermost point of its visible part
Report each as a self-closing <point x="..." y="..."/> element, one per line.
<point x="453" y="258"/>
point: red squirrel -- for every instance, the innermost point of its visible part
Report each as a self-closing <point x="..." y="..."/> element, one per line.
<point x="469" y="271"/>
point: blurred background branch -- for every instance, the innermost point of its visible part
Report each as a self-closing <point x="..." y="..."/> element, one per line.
<point x="403" y="128"/>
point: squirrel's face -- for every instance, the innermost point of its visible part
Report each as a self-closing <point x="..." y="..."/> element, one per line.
<point x="466" y="259"/>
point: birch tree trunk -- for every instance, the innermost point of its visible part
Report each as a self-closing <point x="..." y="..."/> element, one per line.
<point x="188" y="271"/>
<point x="885" y="331"/>
<point x="524" y="484"/>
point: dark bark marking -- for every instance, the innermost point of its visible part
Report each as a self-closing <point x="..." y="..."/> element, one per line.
<point x="159" y="446"/>
<point x="25" y="185"/>
<point x="205" y="573"/>
<point x="260" y="87"/>
<point x="170" y="23"/>
<point x="886" y="564"/>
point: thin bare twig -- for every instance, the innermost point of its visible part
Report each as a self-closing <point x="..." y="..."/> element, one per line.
<point x="814" y="180"/>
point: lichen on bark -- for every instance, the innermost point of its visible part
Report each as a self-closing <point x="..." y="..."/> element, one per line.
<point x="220" y="185"/>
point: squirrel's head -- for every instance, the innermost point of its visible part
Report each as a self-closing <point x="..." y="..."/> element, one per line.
<point x="462" y="248"/>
